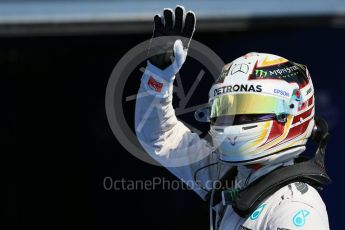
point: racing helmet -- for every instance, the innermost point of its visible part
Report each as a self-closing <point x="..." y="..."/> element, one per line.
<point x="261" y="110"/>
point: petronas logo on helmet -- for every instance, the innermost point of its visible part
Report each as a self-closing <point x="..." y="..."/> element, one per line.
<point x="237" y="88"/>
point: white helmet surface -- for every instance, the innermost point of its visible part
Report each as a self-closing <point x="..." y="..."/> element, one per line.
<point x="262" y="110"/>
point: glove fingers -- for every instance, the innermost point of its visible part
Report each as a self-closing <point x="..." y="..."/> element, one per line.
<point x="189" y="25"/>
<point x="168" y="17"/>
<point x="179" y="14"/>
<point x="159" y="27"/>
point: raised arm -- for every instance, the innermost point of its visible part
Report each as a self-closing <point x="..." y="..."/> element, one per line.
<point x="160" y="133"/>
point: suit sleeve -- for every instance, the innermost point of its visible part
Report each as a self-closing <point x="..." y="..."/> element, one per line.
<point x="298" y="215"/>
<point x="166" y="138"/>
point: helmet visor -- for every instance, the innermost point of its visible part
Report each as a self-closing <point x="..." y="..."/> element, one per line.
<point x="234" y="104"/>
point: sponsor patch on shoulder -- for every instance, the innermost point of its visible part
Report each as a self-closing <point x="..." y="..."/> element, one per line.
<point x="299" y="219"/>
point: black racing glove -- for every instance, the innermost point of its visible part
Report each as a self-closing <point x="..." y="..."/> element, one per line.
<point x="174" y="31"/>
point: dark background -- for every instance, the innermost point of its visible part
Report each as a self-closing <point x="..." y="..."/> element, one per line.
<point x="53" y="90"/>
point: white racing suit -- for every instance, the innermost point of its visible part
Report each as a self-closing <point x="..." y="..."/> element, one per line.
<point x="169" y="141"/>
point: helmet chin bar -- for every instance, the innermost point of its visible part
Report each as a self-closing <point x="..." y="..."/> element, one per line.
<point x="274" y="158"/>
<point x="319" y="135"/>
